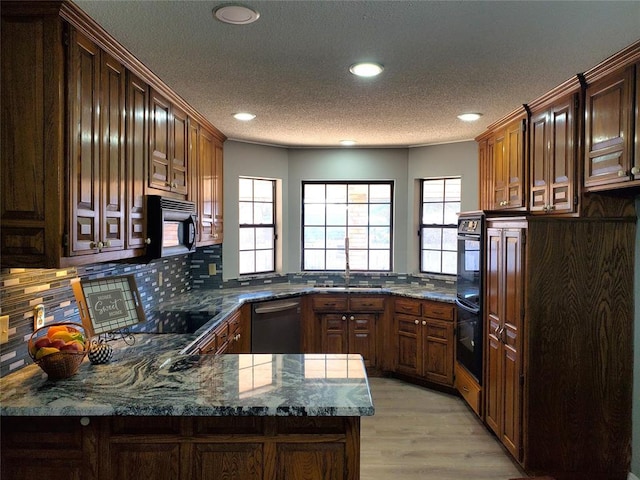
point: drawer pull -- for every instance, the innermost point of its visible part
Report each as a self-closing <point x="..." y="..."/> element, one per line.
<point x="465" y="389"/>
<point x="417" y="322"/>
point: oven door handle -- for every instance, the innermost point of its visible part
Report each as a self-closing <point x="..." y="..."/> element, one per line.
<point x="466" y="308"/>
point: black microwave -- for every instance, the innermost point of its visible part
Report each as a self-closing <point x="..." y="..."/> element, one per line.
<point x="171" y="226"/>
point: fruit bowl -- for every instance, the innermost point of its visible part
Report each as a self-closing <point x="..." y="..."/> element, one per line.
<point x="59" y="349"/>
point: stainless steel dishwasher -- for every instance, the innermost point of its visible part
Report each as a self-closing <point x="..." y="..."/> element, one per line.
<point x="275" y="327"/>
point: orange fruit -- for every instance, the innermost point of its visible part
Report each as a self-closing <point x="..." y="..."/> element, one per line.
<point x="56" y="328"/>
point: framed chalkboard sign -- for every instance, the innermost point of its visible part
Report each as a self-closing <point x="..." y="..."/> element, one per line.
<point x="108" y="304"/>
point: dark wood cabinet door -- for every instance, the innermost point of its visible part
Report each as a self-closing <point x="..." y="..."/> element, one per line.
<point x="499" y="169"/>
<point x="136" y="160"/>
<point x="511" y="339"/>
<point x="112" y="176"/>
<point x="409" y="348"/>
<point x="608" y="129"/>
<point x="133" y="461"/>
<point x="334" y="328"/>
<point x="84" y="144"/>
<point x="159" y="142"/>
<point x="362" y="336"/>
<point x="218" y="198"/>
<point x="206" y="187"/>
<point x="438" y="355"/>
<point x="178" y="151"/>
<point x="493" y="321"/>
<point x="539" y="162"/>
<point x="214" y="461"/>
<point x="514" y="164"/>
<point x="320" y="460"/>
<point x="562" y="135"/>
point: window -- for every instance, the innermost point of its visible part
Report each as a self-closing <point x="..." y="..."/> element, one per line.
<point x="439" y="225"/>
<point x="358" y="211"/>
<point x="257" y="226"/>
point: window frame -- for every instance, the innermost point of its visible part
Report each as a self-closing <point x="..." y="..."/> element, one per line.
<point x="272" y="225"/>
<point x="390" y="183"/>
<point x="422" y="226"/>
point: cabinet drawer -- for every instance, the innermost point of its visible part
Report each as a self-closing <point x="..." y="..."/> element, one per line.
<point x="234" y="322"/>
<point x="410" y="307"/>
<point x="366" y="304"/>
<point x="322" y="303"/>
<point x="469" y="389"/>
<point x="443" y="311"/>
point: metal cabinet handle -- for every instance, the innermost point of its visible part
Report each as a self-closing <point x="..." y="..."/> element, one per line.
<point x="352" y="318"/>
<point x="417" y="322"/>
<point x="635" y="171"/>
<point x="424" y="322"/>
<point x="622" y="173"/>
<point x="344" y="317"/>
<point x="147" y="241"/>
<point x="465" y="389"/>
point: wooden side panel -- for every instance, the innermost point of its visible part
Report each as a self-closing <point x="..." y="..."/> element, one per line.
<point x="580" y="347"/>
<point x="515" y="173"/>
<point x="206" y="183"/>
<point x="31" y="139"/>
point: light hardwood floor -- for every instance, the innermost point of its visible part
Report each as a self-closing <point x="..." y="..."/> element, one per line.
<point x="422" y="434"/>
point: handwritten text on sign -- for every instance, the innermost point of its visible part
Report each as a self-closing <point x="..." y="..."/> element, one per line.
<point x="107" y="306"/>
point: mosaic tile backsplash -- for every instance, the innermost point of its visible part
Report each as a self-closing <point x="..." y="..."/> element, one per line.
<point x="22" y="289"/>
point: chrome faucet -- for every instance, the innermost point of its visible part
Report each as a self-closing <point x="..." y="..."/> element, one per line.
<point x="347" y="270"/>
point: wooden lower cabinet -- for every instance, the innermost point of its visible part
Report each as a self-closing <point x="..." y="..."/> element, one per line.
<point x="344" y="323"/>
<point x="181" y="448"/>
<point x="425" y="340"/>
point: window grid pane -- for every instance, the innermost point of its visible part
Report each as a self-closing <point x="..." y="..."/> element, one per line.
<point x="257" y="226"/>
<point x="439" y="225"/>
<point x="361" y="211"/>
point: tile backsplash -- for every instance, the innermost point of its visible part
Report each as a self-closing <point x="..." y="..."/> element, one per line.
<point x="21" y="289"/>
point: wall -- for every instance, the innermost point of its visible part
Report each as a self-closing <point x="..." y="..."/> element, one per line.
<point x="453" y="159"/>
<point x="245" y="159"/>
<point x="348" y="164"/>
<point x="635" y="430"/>
<point x="23" y="288"/>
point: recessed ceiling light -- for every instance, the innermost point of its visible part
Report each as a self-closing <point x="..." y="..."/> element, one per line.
<point x="235" y="14"/>
<point x="244" y="116"/>
<point x="366" y="69"/>
<point x="469" y="117"/>
<point x="347" y="143"/>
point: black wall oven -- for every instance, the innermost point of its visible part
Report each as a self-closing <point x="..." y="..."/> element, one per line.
<point x="469" y="292"/>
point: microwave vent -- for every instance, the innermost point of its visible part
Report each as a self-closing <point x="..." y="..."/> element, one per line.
<point x="174" y="204"/>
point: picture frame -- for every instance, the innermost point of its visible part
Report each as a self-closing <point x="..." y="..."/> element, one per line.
<point x="108" y="304"/>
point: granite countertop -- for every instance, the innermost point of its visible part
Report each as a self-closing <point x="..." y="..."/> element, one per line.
<point x="159" y="375"/>
<point x="219" y="304"/>
<point x="170" y="384"/>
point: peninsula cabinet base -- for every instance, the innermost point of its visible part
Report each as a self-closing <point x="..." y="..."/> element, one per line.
<point x="181" y="448"/>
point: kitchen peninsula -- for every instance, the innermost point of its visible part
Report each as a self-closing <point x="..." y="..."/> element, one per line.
<point x="159" y="414"/>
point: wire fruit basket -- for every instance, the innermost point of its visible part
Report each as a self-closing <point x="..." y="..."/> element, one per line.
<point x="59" y="348"/>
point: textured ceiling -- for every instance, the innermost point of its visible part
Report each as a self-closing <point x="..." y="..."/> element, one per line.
<point x="290" y="68"/>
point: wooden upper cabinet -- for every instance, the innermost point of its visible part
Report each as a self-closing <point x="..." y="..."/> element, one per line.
<point x="168" y="146"/>
<point x="609" y="135"/>
<point x="502" y="156"/>
<point x="218" y="197"/>
<point x="97" y="106"/>
<point x="553" y="150"/>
